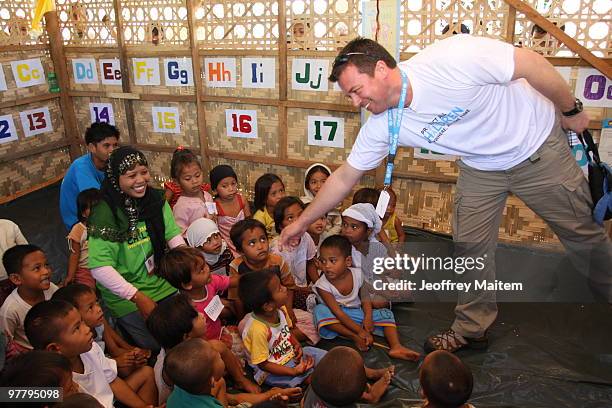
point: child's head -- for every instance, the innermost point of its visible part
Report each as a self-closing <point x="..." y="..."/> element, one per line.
<point x="27" y="267"/>
<point x="56" y="325"/>
<point x="224" y="181"/>
<point x="39" y="368"/>
<point x="316" y="175"/>
<point x="446" y="382"/>
<point x="185" y="168"/>
<point x="175" y="320"/>
<point x="287" y="210"/>
<point x="250" y="238"/>
<point x="193" y="366"/>
<point x="79" y="400"/>
<point x="86" y="200"/>
<point x="318" y="226"/>
<point x="204" y="234"/>
<point x="340" y="378"/>
<point x="262" y="291"/>
<point x="269" y="189"/>
<point x="360" y="223"/>
<point x="85" y="300"/>
<point x="185" y="268"/>
<point x="335" y="256"/>
<point x="366" y="195"/>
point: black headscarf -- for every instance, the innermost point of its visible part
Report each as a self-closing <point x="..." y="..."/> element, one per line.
<point x="149" y="208"/>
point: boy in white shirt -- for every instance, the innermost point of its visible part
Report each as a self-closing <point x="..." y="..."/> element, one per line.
<point x="28" y="269"/>
<point x="57" y="326"/>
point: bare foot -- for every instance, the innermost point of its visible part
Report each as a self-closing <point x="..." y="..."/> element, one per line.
<point x="360" y="342"/>
<point x="404" y="353"/>
<point x="376" y="373"/>
<point x="377" y="390"/>
<point x="246" y="385"/>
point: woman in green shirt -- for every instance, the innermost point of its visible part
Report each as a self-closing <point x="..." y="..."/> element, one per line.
<point x="129" y="231"/>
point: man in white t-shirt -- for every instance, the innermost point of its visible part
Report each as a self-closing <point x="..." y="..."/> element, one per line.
<point x="502" y="110"/>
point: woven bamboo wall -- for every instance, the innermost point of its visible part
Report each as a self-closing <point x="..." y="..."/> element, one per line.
<point x="285" y="33"/>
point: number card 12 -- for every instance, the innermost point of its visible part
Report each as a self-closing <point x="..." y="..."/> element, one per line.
<point x="36" y="121"/>
<point x="8" y="133"/>
<point x="326" y="131"/>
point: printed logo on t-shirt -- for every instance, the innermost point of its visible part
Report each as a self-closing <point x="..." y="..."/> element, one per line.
<point x="441" y="123"/>
<point x="140" y="239"/>
<point x="282" y="349"/>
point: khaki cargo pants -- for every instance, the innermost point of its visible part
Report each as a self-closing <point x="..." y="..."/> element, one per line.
<point x="553" y="186"/>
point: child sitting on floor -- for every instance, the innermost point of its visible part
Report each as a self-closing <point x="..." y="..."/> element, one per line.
<point x="196" y="370"/>
<point x="231" y="206"/>
<point x="38" y="368"/>
<point x="128" y="358"/>
<point x="193" y="203"/>
<point x="446" y="382"/>
<point x="186" y="269"/>
<point x="301" y="258"/>
<point x="204" y="235"/>
<point x="346" y="309"/>
<point x="341" y="380"/>
<point x="175" y="320"/>
<point x="173" y="190"/>
<point x="27" y="268"/>
<point x="78" y="271"/>
<point x="316" y="230"/>
<point x="250" y="238"/>
<point x="392" y="224"/>
<point x="274" y="353"/>
<point x="314" y="178"/>
<point x="57" y="326"/>
<point x="269" y="189"/>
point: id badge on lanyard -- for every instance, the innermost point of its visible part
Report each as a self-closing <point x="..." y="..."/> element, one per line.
<point x="394" y="117"/>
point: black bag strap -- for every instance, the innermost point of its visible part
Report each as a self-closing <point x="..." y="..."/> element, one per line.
<point x="589" y="146"/>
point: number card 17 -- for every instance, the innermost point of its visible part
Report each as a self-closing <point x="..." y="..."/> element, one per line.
<point x="326" y="131"/>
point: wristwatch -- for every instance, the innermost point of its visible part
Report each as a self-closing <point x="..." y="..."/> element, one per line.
<point x="577" y="108"/>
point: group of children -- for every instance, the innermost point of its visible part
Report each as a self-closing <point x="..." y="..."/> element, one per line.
<point x="241" y="297"/>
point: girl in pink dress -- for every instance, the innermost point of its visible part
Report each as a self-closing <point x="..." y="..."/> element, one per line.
<point x="231" y="206"/>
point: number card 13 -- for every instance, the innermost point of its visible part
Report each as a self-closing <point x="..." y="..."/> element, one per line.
<point x="36" y="121"/>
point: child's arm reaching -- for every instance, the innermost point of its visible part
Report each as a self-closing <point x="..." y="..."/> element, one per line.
<point x="401" y="235"/>
<point x="311" y="270"/>
<point x="306" y="364"/>
<point x="73" y="261"/>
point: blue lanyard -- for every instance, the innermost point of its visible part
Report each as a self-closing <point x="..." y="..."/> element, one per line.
<point x="395" y="120"/>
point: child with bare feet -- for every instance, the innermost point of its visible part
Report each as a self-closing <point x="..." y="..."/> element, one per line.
<point x="345" y="307"/>
<point x="341" y="380"/>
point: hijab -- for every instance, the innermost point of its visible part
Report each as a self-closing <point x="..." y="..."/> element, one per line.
<point x="365" y="213"/>
<point x="198" y="233"/>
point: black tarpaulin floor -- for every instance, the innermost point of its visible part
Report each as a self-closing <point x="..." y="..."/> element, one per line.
<point x="547" y="355"/>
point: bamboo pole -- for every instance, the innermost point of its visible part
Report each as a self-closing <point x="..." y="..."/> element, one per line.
<point x="56" y="49"/>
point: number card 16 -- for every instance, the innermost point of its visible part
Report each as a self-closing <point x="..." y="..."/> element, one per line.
<point x="241" y="123"/>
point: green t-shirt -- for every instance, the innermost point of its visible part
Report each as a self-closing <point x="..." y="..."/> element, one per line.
<point x="182" y="399"/>
<point x="128" y="258"/>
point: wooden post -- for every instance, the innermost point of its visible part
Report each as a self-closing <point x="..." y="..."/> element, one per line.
<point x="125" y="74"/>
<point x="56" y="49"/>
<point x="510" y="25"/>
<point x="532" y="14"/>
<point x="282" y="80"/>
<point x="199" y="90"/>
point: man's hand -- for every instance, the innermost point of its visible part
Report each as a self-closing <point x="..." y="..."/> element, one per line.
<point x="290" y="236"/>
<point x="578" y="123"/>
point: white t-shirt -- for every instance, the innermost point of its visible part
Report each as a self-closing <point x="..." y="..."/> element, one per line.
<point x="99" y="372"/>
<point x="163" y="389"/>
<point x="10" y="235"/>
<point x="297" y="258"/>
<point x="350" y="300"/>
<point x="13" y="313"/>
<point x="465" y="104"/>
